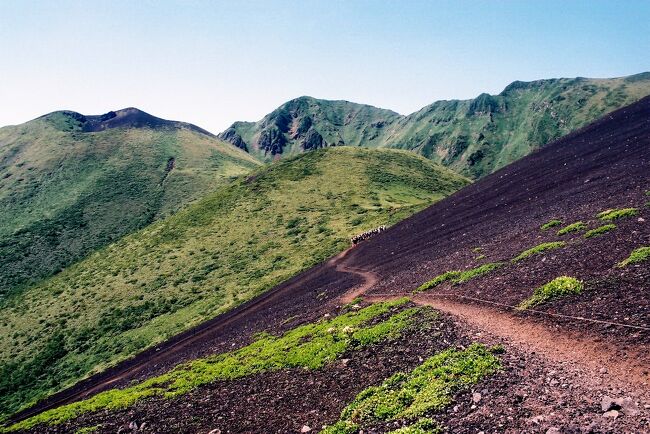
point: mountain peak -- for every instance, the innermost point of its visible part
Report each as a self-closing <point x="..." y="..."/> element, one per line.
<point x="129" y="117"/>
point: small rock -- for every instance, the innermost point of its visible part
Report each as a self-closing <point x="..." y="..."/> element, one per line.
<point x="305" y="429"/>
<point x="537" y="419"/>
<point x="640" y="219"/>
<point x="476" y="397"/>
<point x="133" y="425"/>
<point x="553" y="430"/>
<point x="215" y="431"/>
<point x="603" y="370"/>
<point x="611" y="413"/>
<point x="628" y="407"/>
<point x="356" y="306"/>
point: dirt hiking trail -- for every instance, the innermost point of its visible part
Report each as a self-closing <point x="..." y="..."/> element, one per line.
<point x="593" y="355"/>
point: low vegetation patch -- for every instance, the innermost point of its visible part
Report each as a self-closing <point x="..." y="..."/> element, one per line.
<point x="425" y="390"/>
<point x="459" y="276"/>
<point x="424" y="425"/>
<point x="550" y="224"/>
<point x="573" y="227"/>
<point x="600" y="230"/>
<point x="641" y="254"/>
<point x="615" y="214"/>
<point x="556" y="288"/>
<point x="539" y="249"/>
<point x="309" y="346"/>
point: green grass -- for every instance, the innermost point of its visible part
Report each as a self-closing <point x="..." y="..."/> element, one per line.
<point x="642" y="254"/>
<point x="559" y="287"/>
<point x="309" y="346"/>
<point x="425" y="390"/>
<point x="550" y="224"/>
<point x="573" y="227"/>
<point x="615" y="214"/>
<point x="423" y="425"/>
<point x="541" y="248"/>
<point x="599" y="231"/>
<point x="459" y="277"/>
<point x="234" y="244"/>
<point x="65" y="193"/>
<point x="474" y="137"/>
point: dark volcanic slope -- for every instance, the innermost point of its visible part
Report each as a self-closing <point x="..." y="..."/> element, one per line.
<point x="605" y="165"/>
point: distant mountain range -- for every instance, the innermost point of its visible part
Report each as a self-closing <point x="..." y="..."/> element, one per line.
<point x="473" y="137"/>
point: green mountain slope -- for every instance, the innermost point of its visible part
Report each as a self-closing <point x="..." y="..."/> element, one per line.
<point x="474" y="137"/>
<point x="231" y="245"/>
<point x="73" y="183"/>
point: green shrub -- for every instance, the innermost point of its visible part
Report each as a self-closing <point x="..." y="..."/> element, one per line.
<point x="573" y="227"/>
<point x="599" y="230"/>
<point x="641" y="254"/>
<point x="459" y="276"/>
<point x="428" y="388"/>
<point x="539" y="249"/>
<point x="550" y="224"/>
<point x="309" y="346"/>
<point x="558" y="287"/>
<point x="615" y="214"/>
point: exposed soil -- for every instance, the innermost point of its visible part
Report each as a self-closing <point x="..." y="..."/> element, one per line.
<point x="556" y="368"/>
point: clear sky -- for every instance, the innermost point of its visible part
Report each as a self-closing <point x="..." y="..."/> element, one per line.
<point x="214" y="62"/>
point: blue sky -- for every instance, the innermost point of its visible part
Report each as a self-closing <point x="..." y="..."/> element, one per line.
<point x="213" y="62"/>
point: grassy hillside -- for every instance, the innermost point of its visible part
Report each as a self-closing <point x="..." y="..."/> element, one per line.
<point x="74" y="183"/>
<point x="474" y="137"/>
<point x="228" y="247"/>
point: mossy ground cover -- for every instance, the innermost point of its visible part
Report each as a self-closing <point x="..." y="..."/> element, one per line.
<point x="642" y="254"/>
<point x="573" y="227"/>
<point x="420" y="393"/>
<point x="219" y="252"/>
<point x="550" y="224"/>
<point x="540" y="248"/>
<point x="600" y="230"/>
<point x="310" y="346"/>
<point x="559" y="287"/>
<point x="459" y="276"/>
<point x="615" y="214"/>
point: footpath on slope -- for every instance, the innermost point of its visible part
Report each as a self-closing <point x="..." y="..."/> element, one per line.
<point x="598" y="358"/>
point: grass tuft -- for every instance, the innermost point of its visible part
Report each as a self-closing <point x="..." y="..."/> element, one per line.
<point x="459" y="276"/>
<point x="641" y="254"/>
<point x="426" y="389"/>
<point x="599" y="230"/>
<point x="556" y="288"/>
<point x="539" y="249"/>
<point x="550" y="224"/>
<point x="573" y="227"/>
<point x="615" y="214"/>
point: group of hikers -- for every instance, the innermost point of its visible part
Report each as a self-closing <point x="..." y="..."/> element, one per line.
<point x="367" y="234"/>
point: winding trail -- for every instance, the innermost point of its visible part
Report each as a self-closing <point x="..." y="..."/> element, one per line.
<point x="602" y="361"/>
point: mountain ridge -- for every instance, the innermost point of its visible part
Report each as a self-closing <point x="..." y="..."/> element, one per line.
<point x="472" y="136"/>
